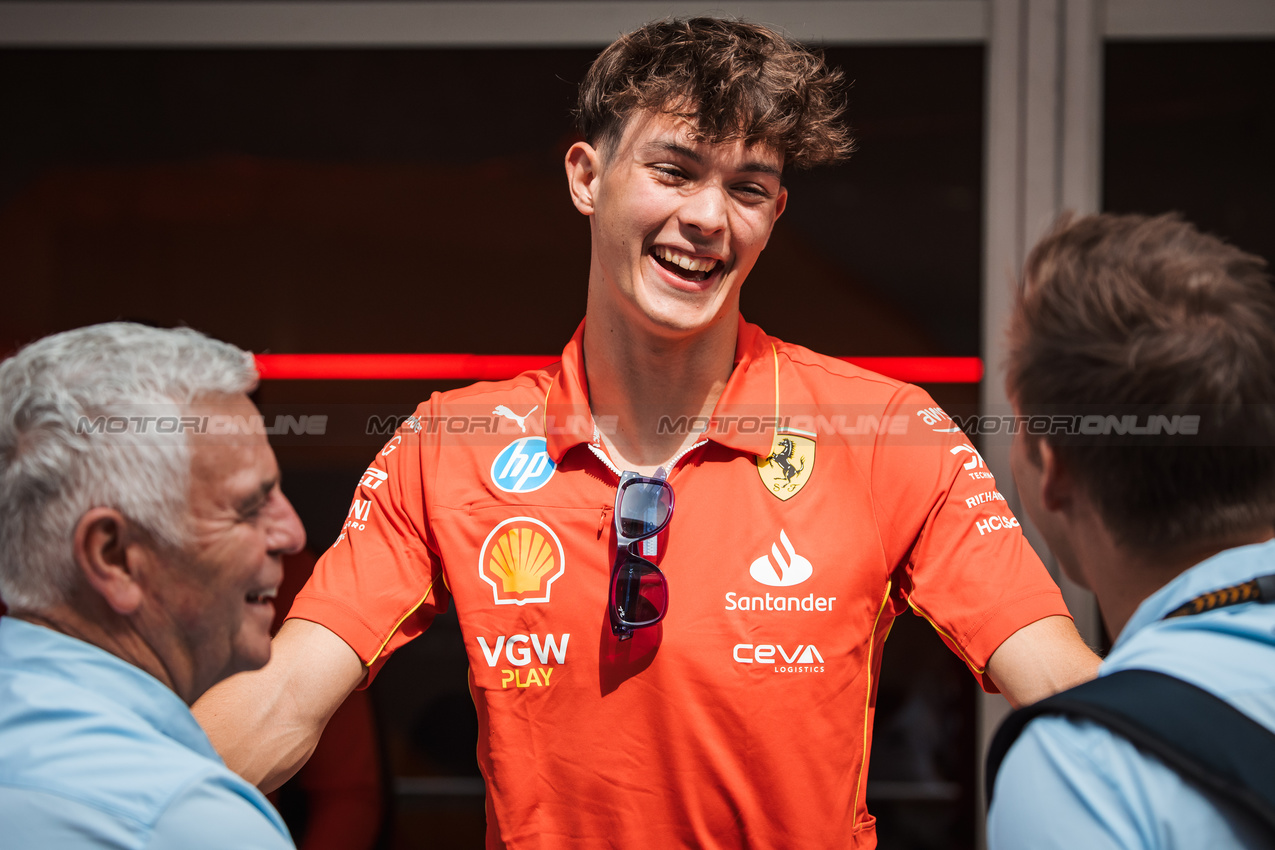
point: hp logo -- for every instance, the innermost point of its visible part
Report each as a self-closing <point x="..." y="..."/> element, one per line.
<point x="522" y="466"/>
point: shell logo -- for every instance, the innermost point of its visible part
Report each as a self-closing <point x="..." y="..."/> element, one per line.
<point x="521" y="558"/>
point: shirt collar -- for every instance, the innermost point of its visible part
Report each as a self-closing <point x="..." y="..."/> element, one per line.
<point x="1225" y="569"/>
<point x="568" y="420"/>
<point x="751" y="394"/>
<point x="45" y="652"/>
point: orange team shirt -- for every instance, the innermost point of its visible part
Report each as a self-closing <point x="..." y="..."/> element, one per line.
<point x="821" y="502"/>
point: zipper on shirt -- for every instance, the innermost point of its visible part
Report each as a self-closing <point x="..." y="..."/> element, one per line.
<point x="672" y="464"/>
<point x="684" y="452"/>
<point x="649" y="545"/>
<point x="602" y="456"/>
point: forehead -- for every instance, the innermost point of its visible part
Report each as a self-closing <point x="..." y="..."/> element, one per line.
<point x="232" y="454"/>
<point x="647" y="133"/>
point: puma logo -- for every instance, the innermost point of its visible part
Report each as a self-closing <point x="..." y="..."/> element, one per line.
<point x="501" y="410"/>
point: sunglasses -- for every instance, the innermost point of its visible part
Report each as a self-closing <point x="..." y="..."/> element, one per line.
<point x="639" y="591"/>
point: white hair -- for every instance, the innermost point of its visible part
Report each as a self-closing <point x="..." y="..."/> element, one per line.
<point x="58" y="459"/>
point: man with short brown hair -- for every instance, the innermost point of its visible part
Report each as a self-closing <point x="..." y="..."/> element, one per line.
<point x="676" y="562"/>
<point x="1155" y="345"/>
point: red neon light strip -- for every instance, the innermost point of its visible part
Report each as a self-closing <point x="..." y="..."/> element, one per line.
<point x="924" y="370"/>
<point x="494" y="367"/>
<point x="397" y="367"/>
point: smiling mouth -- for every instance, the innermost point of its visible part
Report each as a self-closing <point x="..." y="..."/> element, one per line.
<point x="261" y="597"/>
<point x="694" y="269"/>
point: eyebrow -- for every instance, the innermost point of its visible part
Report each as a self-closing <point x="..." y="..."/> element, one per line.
<point x="695" y="157"/>
<point x="258" y="497"/>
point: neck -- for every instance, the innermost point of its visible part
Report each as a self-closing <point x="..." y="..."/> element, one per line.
<point x="636" y="379"/>
<point x="1130" y="576"/>
<point x="115" y="634"/>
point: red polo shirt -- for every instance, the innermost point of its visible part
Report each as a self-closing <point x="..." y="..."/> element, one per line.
<point x="820" y="502"/>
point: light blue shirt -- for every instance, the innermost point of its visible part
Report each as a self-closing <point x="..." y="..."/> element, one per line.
<point x="1072" y="784"/>
<point x="95" y="752"/>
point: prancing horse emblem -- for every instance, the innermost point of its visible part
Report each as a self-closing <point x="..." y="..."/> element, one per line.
<point x="788" y="466"/>
<point x="783" y="458"/>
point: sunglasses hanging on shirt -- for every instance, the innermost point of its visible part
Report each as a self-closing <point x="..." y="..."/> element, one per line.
<point x="639" y="591"/>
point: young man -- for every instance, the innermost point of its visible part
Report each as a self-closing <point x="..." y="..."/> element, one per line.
<point x="139" y="551"/>
<point x="1119" y="317"/>
<point x="744" y="717"/>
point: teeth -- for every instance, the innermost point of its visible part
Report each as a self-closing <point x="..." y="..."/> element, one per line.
<point x="262" y="596"/>
<point x="691" y="264"/>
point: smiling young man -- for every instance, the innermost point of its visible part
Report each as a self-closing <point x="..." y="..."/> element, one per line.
<point x="673" y="582"/>
<point x="677" y="225"/>
<point x="141" y="537"/>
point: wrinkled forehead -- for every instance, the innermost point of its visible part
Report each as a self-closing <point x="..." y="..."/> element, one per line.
<point x="230" y="448"/>
<point x="226" y="419"/>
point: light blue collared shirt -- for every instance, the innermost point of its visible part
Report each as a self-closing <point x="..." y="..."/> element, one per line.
<point x="1072" y="784"/>
<point x="95" y="752"/>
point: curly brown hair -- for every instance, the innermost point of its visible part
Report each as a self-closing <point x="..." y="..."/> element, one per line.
<point x="731" y="79"/>
<point x="1123" y="315"/>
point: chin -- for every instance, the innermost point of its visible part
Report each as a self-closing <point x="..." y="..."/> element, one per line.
<point x="682" y="319"/>
<point x="253" y="656"/>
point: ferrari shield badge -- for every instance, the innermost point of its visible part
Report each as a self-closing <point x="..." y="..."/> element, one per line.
<point x="788" y="466"/>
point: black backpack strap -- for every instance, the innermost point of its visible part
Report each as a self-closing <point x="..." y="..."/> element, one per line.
<point x="1201" y="736"/>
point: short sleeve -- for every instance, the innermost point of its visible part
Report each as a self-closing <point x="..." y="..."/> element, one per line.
<point x="380" y="583"/>
<point x="965" y="565"/>
<point x="213" y="813"/>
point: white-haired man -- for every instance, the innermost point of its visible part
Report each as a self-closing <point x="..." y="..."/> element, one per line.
<point x="141" y="532"/>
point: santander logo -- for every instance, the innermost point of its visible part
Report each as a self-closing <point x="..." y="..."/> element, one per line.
<point x="782" y="571"/>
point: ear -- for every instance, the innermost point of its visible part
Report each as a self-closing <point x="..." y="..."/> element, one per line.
<point x="584" y="164"/>
<point x="1057" y="485"/>
<point x="108" y="559"/>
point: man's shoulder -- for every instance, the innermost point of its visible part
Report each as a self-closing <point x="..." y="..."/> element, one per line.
<point x="87" y="749"/>
<point x="837" y="375"/>
<point x="528" y="382"/>
<point x="832" y="396"/>
<point x="1083" y="767"/>
<point x="1056" y="767"/>
<point x="529" y="387"/>
<point x="1076" y="782"/>
<point x="1229" y="652"/>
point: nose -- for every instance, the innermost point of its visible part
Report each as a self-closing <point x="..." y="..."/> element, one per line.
<point x="285" y="534"/>
<point x="705" y="210"/>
